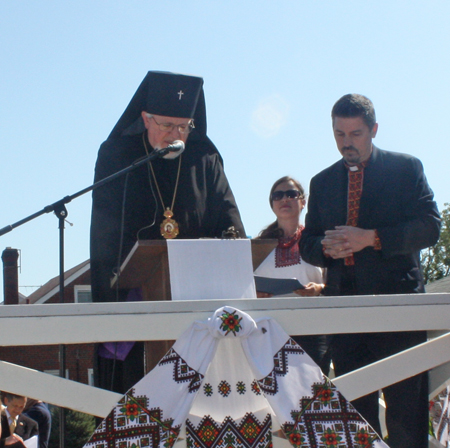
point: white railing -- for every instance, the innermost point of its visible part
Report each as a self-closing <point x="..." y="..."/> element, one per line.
<point x="22" y="325"/>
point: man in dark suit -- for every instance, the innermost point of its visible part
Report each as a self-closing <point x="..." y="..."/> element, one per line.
<point x="369" y="215"/>
<point x="39" y="412"/>
<point x="12" y="418"/>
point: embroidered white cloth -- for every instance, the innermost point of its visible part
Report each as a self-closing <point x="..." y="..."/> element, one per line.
<point x="442" y="430"/>
<point x="218" y="268"/>
<point x="233" y="382"/>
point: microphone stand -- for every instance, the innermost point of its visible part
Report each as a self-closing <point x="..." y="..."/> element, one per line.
<point x="59" y="209"/>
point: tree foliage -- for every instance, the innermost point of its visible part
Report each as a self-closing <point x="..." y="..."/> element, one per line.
<point x="436" y="259"/>
<point x="79" y="428"/>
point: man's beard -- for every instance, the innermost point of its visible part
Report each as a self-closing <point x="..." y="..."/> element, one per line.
<point x="352" y="158"/>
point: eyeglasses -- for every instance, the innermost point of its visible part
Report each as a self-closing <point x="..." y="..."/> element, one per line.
<point x="290" y="194"/>
<point x="182" y="128"/>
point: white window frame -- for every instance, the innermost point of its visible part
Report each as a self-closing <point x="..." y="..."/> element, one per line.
<point x="81" y="288"/>
<point x="90" y="377"/>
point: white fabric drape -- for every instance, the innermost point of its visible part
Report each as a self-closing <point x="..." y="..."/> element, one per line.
<point x="232" y="382"/>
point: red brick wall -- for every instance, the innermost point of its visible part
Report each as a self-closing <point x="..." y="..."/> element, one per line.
<point x="69" y="290"/>
<point x="79" y="358"/>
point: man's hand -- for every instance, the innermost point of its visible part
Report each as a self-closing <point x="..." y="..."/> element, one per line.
<point x="344" y="241"/>
<point x="310" y="290"/>
<point x="263" y="295"/>
<point x="11" y="440"/>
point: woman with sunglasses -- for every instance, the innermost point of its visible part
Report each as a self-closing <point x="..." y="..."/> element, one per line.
<point x="287" y="200"/>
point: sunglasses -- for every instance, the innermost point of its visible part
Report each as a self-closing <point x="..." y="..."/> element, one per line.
<point x="290" y="194"/>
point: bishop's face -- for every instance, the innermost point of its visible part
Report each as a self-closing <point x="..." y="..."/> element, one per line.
<point x="162" y="138"/>
<point x="353" y="138"/>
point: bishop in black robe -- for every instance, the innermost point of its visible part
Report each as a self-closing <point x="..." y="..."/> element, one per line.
<point x="129" y="208"/>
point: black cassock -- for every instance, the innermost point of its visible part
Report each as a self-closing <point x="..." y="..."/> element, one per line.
<point x="204" y="206"/>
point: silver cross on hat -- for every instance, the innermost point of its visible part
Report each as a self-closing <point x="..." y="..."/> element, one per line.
<point x="180" y="94"/>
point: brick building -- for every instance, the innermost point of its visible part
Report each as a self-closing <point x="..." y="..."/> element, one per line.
<point x="45" y="358"/>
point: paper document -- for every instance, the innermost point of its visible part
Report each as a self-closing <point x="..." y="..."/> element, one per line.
<point x="32" y="442"/>
<point x="211" y="269"/>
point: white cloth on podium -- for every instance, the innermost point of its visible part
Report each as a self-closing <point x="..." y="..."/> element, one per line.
<point x="211" y="268"/>
<point x="232" y="382"/>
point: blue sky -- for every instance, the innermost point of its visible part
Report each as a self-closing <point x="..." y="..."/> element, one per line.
<point x="272" y="70"/>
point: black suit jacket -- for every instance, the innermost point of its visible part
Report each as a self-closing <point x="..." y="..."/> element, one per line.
<point x="397" y="201"/>
<point x="26" y="427"/>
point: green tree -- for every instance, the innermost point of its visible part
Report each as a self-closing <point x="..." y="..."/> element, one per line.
<point x="436" y="259"/>
<point x="79" y="428"/>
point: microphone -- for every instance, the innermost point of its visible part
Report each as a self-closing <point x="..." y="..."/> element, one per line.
<point x="169" y="152"/>
<point x="172" y="151"/>
<point x="176" y="146"/>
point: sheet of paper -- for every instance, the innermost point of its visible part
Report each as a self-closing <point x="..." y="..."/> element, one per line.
<point x="32" y="442"/>
<point x="211" y="269"/>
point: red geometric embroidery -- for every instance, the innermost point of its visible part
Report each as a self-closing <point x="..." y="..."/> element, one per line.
<point x="269" y="384"/>
<point x="329" y="418"/>
<point x="249" y="433"/>
<point x="255" y="388"/>
<point x="132" y="408"/>
<point x="131" y="423"/>
<point x="231" y="322"/>
<point x="287" y="252"/>
<point x="355" y="187"/>
<point x="224" y="389"/>
<point x="444" y="424"/>
<point x="363" y="438"/>
<point x="182" y="372"/>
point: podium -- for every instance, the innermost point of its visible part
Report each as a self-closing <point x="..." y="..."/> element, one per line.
<point x="147" y="267"/>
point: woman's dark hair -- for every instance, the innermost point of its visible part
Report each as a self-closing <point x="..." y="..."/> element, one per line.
<point x="272" y="230"/>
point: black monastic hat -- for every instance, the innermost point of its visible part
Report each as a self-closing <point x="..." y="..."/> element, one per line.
<point x="168" y="94"/>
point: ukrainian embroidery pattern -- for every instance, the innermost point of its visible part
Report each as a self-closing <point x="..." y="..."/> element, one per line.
<point x="287" y="252"/>
<point x="443" y="427"/>
<point x="327" y="417"/>
<point x="355" y="186"/>
<point x="355" y="181"/>
<point x="181" y="371"/>
<point x="309" y="409"/>
<point x="249" y="433"/>
<point x="132" y="424"/>
<point x="224" y="389"/>
<point x="240" y="388"/>
<point x="207" y="389"/>
<point x="255" y="388"/>
<point x="231" y="322"/>
<point x="269" y="384"/>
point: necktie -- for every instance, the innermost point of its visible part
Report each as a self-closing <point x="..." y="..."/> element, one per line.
<point x="12" y="426"/>
<point x="355" y="186"/>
